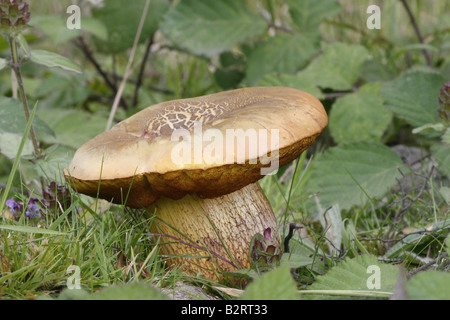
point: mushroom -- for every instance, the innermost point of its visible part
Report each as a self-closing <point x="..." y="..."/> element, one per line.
<point x="196" y="163"/>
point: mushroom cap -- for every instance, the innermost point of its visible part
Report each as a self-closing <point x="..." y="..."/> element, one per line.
<point x="223" y="138"/>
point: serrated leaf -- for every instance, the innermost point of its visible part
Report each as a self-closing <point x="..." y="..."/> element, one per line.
<point x="445" y="138"/>
<point x="359" y="116"/>
<point x="296" y="260"/>
<point x="95" y="27"/>
<point x="284" y="53"/>
<point x="56" y="159"/>
<point x="276" y="284"/>
<point x="64" y="91"/>
<point x="360" y="276"/>
<point x="12" y="125"/>
<point x="72" y="128"/>
<point x="429" y="285"/>
<point x="309" y="14"/>
<point x="12" y="119"/>
<point x="350" y="173"/>
<point x="121" y="19"/>
<point x="54" y="27"/>
<point x="9" y="144"/>
<point x="441" y="152"/>
<point x="291" y="81"/>
<point x="51" y="60"/>
<point x="338" y="67"/>
<point x="414" y="97"/>
<point x="205" y="27"/>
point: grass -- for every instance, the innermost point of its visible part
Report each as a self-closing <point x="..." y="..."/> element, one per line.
<point x="108" y="248"/>
<point x="110" y="244"/>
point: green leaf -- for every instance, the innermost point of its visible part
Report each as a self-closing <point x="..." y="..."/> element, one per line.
<point x="439" y="127"/>
<point x="291" y="81"/>
<point x="16" y="161"/>
<point x="359" y="116"/>
<point x="3" y="63"/>
<point x="27" y="229"/>
<point x="429" y="285"/>
<point x="51" y="59"/>
<point x="414" y="97"/>
<point x="12" y="124"/>
<point x="9" y="144"/>
<point x="352" y="174"/>
<point x="309" y="14"/>
<point x="276" y="284"/>
<point x="445" y="193"/>
<point x="441" y="152"/>
<point x="72" y="128"/>
<point x="24" y="45"/>
<point x="284" y="53"/>
<point x="338" y="67"/>
<point x="361" y="276"/>
<point x="64" y="90"/>
<point x="55" y="28"/>
<point x="445" y="138"/>
<point x="12" y="119"/>
<point x="121" y="19"/>
<point x="205" y="27"/>
<point x="95" y="27"/>
<point x="56" y="159"/>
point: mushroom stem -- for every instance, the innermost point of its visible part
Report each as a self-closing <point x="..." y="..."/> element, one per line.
<point x="214" y="234"/>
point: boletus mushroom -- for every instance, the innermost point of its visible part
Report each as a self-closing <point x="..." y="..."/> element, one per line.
<point x="196" y="163"/>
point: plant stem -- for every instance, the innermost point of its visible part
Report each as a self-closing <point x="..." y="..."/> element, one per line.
<point x="141" y="71"/>
<point x="16" y="67"/>
<point x="417" y="31"/>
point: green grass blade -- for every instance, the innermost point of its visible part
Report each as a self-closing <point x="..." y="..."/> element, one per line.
<point x="17" y="159"/>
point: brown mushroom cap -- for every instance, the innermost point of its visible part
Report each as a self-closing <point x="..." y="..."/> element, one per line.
<point x="134" y="160"/>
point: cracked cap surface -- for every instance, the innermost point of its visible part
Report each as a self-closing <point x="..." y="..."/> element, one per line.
<point x="135" y="159"/>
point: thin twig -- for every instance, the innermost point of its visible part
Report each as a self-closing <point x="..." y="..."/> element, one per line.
<point x="411" y="202"/>
<point x="292" y="226"/>
<point x="88" y="54"/>
<point x="15" y="64"/>
<point x="141" y="71"/>
<point x="426" y="265"/>
<point x="417" y="31"/>
<point x="129" y="67"/>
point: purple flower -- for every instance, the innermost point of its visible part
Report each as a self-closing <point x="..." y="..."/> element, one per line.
<point x="33" y="209"/>
<point x="14" y="207"/>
